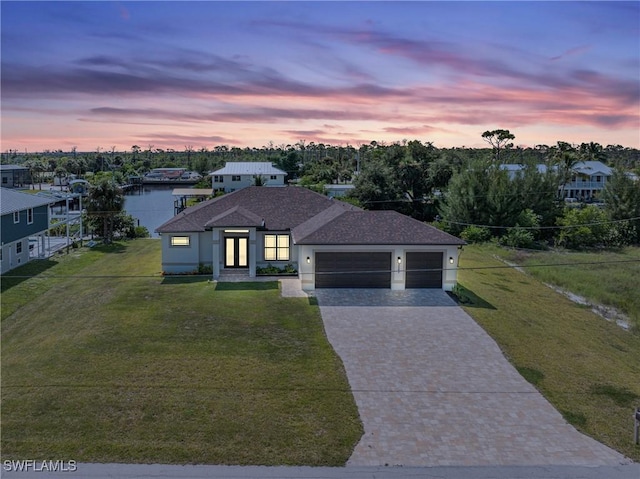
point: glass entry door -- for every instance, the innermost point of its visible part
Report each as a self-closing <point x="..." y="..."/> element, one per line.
<point x="236" y="252"/>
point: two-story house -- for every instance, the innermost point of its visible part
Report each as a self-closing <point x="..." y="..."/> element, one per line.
<point x="14" y="176"/>
<point x="240" y="174"/>
<point x="588" y="178"/>
<point x="24" y="216"/>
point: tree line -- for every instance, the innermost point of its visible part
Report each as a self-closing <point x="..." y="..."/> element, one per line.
<point x="464" y="190"/>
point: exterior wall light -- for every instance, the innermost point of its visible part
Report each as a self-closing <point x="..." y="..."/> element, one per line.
<point x="399" y="260"/>
<point x="308" y="260"/>
<point x="450" y="259"/>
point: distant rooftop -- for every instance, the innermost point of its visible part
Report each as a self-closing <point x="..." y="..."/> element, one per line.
<point x="13" y="167"/>
<point x="11" y="201"/>
<point x="248" y="168"/>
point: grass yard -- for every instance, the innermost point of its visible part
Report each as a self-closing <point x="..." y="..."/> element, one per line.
<point x="587" y="367"/>
<point x="613" y="284"/>
<point x="103" y="360"/>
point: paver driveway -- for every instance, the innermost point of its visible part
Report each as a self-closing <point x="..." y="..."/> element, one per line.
<point x="434" y="389"/>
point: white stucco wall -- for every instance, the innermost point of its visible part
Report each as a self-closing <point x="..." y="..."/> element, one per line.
<point x="208" y="248"/>
<point x="180" y="259"/>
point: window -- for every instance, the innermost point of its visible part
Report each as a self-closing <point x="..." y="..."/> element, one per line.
<point x="218" y="179"/>
<point x="276" y="247"/>
<point x="598" y="179"/>
<point x="5" y="180"/>
<point x="180" y="241"/>
<point x="19" y="247"/>
<point x="235" y="178"/>
<point x="274" y="177"/>
<point x="16" y="217"/>
<point x="30" y="216"/>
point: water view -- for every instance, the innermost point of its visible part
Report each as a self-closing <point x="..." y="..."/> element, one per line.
<point x="152" y="206"/>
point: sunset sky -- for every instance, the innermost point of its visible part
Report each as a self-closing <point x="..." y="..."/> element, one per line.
<point x="202" y="74"/>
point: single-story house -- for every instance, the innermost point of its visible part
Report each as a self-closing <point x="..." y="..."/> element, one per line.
<point x="14" y="176"/>
<point x="24" y="216"/>
<point x="330" y="243"/>
<point x="240" y="174"/>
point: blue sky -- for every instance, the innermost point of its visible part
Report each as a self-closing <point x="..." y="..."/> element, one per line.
<point x="202" y="74"/>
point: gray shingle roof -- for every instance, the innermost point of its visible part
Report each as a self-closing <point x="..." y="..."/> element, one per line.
<point x="11" y="201"/>
<point x="236" y="216"/>
<point x="313" y="219"/>
<point x="369" y="228"/>
<point x="281" y="208"/>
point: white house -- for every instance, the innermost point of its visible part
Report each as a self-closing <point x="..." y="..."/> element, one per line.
<point x="588" y="178"/>
<point x="240" y="174"/>
<point x="330" y="243"/>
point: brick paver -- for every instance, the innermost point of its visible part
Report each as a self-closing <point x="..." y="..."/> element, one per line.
<point x="434" y="389"/>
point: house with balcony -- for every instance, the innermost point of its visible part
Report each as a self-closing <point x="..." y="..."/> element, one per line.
<point x="24" y="218"/>
<point x="588" y="179"/>
<point x="239" y="174"/>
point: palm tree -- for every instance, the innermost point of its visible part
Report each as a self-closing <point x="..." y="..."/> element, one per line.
<point x="105" y="202"/>
<point x="565" y="158"/>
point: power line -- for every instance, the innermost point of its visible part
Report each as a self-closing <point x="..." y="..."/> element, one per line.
<point x="595" y="223"/>
<point x="458" y="268"/>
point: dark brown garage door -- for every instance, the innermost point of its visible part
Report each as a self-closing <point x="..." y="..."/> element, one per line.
<point x="353" y="270"/>
<point x="424" y="270"/>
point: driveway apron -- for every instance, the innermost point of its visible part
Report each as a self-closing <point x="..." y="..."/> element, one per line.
<point x="433" y="389"/>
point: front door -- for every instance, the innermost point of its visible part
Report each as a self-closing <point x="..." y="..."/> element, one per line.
<point x="236" y="253"/>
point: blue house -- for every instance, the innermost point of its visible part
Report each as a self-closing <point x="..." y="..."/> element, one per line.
<point x="24" y="216"/>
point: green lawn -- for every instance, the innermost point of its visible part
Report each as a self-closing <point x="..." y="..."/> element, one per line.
<point x="605" y="277"/>
<point x="103" y="360"/>
<point x="587" y="367"/>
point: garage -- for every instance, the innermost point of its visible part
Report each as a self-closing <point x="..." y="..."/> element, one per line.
<point x="353" y="270"/>
<point x="424" y="270"/>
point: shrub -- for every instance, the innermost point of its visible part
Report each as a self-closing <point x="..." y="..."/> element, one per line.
<point x="205" y="268"/>
<point x="141" y="232"/>
<point x="517" y="238"/>
<point x="475" y="234"/>
<point x="274" y="270"/>
<point x="584" y="228"/>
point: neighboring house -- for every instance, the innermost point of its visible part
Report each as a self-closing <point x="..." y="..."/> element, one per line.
<point x="165" y="174"/>
<point x="23" y="216"/>
<point x="587" y="180"/>
<point x="14" y="176"/>
<point x="240" y="174"/>
<point x="191" y="175"/>
<point x="332" y="244"/>
<point x="338" y="191"/>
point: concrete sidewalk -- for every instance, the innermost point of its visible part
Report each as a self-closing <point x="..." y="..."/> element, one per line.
<point x="160" y="471"/>
<point x="433" y="389"/>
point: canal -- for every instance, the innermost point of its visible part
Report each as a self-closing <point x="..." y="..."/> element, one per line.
<point x="151" y="206"/>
